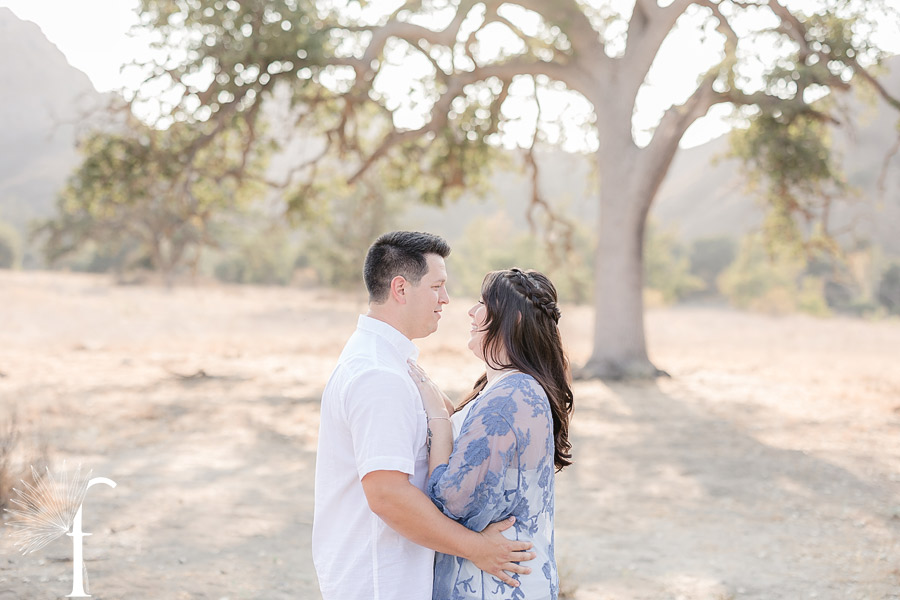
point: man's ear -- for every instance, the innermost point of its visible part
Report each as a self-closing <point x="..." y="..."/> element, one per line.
<point x="399" y="286"/>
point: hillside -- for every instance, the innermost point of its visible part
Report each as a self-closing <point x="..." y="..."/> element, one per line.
<point x="43" y="100"/>
<point x="706" y="197"/>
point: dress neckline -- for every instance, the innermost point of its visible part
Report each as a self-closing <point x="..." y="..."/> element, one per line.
<point x="458" y="417"/>
<point x="498" y="380"/>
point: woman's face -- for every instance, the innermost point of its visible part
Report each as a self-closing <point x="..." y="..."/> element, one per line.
<point x="478" y="313"/>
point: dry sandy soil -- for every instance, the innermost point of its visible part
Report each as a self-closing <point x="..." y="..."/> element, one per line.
<point x="767" y="467"/>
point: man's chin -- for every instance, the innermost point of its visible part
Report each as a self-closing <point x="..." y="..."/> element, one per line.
<point x="426" y="332"/>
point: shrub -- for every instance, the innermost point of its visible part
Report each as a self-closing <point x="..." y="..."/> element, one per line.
<point x="10" y="247"/>
<point x="709" y="257"/>
<point x="494" y="243"/>
<point x="888" y="294"/>
<point x="12" y="468"/>
<point x="263" y="257"/>
<point x="667" y="266"/>
<point x="346" y="223"/>
<point x="772" y="280"/>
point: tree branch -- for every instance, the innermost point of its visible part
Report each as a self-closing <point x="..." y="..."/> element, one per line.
<point x="557" y="223"/>
<point x="648" y="28"/>
<point x="414" y="33"/>
<point x="873" y="81"/>
<point x="569" y="16"/>
<point x="671" y="129"/>
<point x="455" y="85"/>
<point x="797" y="31"/>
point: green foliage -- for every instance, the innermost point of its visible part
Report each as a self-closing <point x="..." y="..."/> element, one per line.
<point x="789" y="163"/>
<point x="772" y="280"/>
<point x="787" y="151"/>
<point x="248" y="47"/>
<point x="888" y="294"/>
<point x="494" y="243"/>
<point x="147" y="193"/>
<point x="94" y="256"/>
<point x="478" y="251"/>
<point x="709" y="257"/>
<point x="845" y="289"/>
<point x="10" y="247"/>
<point x="237" y="54"/>
<point x="345" y="225"/>
<point x="667" y="268"/>
<point x="262" y="256"/>
<point x="443" y="168"/>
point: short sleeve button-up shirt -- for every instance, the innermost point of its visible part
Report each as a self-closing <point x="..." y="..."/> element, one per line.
<point x="372" y="419"/>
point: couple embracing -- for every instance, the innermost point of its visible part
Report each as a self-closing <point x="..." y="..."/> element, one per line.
<point x="415" y="497"/>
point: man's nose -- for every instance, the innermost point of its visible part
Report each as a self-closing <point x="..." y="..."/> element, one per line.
<point x="444" y="297"/>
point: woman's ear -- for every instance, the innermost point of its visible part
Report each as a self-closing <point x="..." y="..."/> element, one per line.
<point x="399" y="286"/>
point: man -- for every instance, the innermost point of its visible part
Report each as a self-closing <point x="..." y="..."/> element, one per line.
<point x="374" y="530"/>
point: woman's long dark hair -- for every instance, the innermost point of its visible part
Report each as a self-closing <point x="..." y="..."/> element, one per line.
<point x="522" y="318"/>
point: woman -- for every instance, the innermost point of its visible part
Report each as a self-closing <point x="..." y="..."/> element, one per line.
<point x="511" y="432"/>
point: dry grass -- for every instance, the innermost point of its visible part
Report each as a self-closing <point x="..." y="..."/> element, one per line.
<point x="18" y="462"/>
<point x="765" y="469"/>
<point x="9" y="439"/>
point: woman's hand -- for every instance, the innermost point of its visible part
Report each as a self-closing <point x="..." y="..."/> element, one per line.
<point x="436" y="404"/>
<point x="438" y="409"/>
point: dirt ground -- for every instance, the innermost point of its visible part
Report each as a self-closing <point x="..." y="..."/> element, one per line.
<point x="767" y="467"/>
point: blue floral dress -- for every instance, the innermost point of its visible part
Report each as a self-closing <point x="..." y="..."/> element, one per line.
<point x="501" y="466"/>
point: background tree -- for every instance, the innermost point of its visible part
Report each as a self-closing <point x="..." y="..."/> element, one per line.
<point x="709" y="257"/>
<point x="889" y="289"/>
<point x="10" y="247"/>
<point x="337" y="237"/>
<point x="772" y="277"/>
<point x="479" y="250"/>
<point x="427" y="87"/>
<point x="667" y="265"/>
<point x="151" y="193"/>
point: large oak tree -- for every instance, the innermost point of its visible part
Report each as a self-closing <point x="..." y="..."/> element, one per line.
<point x="338" y="63"/>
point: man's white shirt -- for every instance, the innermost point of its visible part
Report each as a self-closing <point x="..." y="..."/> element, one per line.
<point x="372" y="420"/>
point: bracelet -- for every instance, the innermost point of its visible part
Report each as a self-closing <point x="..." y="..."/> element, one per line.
<point x="433" y="418"/>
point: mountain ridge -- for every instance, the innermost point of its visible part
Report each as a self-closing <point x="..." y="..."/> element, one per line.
<point x="44" y="101"/>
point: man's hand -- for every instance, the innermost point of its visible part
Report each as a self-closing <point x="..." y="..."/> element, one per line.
<point x="411" y="514"/>
<point x="498" y="556"/>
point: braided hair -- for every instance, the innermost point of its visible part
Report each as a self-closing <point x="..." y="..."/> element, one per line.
<point x="528" y="284"/>
<point x="522" y="333"/>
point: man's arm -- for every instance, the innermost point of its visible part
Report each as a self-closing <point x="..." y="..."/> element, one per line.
<point x="411" y="514"/>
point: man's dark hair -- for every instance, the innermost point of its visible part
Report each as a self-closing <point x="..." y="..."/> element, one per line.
<point x="399" y="253"/>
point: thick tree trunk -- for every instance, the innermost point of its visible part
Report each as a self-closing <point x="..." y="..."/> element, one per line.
<point x="620" y="350"/>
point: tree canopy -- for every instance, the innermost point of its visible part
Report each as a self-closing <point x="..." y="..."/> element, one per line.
<point x="439" y="82"/>
<point x="150" y="193"/>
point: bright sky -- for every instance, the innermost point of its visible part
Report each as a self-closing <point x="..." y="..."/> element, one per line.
<point x="94" y="36"/>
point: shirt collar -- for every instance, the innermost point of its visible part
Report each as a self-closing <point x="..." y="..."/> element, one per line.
<point x="396" y="339"/>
